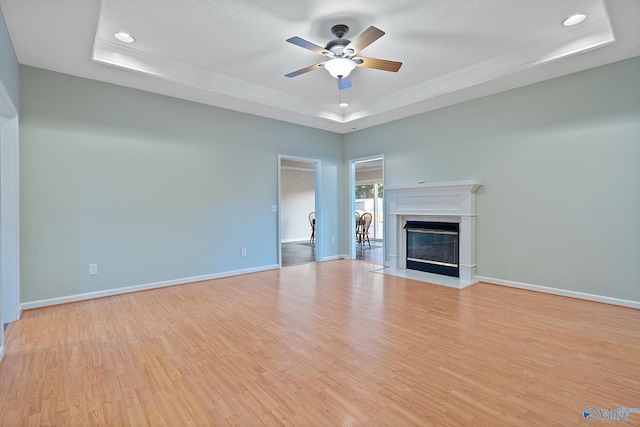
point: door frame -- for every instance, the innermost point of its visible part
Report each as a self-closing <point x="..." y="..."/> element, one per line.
<point x="352" y="203"/>
<point x="317" y="167"/>
<point x="9" y="210"/>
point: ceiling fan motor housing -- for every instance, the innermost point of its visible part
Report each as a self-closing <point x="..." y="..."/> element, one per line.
<point x="337" y="45"/>
<point x="339" y="30"/>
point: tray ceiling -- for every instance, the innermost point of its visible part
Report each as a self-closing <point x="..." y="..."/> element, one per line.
<point x="233" y="54"/>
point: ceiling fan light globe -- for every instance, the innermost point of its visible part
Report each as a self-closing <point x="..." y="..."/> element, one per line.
<point x="339" y="67"/>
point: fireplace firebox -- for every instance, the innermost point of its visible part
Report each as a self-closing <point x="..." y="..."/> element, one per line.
<point x="433" y="247"/>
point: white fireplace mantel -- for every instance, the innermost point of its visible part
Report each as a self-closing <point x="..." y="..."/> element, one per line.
<point x="452" y="201"/>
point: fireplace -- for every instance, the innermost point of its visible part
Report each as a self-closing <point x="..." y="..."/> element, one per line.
<point x="433" y="247"/>
<point x="452" y="202"/>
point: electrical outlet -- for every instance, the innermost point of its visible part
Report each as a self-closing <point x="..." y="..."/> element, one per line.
<point x="93" y="269"/>
<point x="333" y="239"/>
<point x="243" y="252"/>
<point x="274" y="208"/>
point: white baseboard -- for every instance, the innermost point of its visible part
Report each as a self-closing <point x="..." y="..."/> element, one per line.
<point x="562" y="292"/>
<point x="301" y="239"/>
<point x="334" y="257"/>
<point x="136" y="288"/>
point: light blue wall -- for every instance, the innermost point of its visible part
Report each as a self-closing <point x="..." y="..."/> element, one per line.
<point x="8" y="65"/>
<point x="151" y="188"/>
<point x="560" y="162"/>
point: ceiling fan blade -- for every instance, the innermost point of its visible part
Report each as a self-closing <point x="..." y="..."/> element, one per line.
<point x="363" y="40"/>
<point x="305" y="69"/>
<point x="378" y="64"/>
<point x="344" y="83"/>
<point x="308" y="45"/>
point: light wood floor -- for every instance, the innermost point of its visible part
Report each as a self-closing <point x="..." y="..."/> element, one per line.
<point x="321" y="344"/>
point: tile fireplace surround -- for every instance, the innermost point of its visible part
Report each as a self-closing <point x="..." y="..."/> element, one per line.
<point x="453" y="201"/>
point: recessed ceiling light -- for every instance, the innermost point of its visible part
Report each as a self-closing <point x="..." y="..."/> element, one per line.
<point x="124" y="37"/>
<point x="343" y="104"/>
<point x="574" y="19"/>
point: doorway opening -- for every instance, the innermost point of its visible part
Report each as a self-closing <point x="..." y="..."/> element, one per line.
<point x="299" y="211"/>
<point x="367" y="209"/>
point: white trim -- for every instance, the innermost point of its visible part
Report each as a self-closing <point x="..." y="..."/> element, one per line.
<point x="1" y="352"/>
<point x="319" y="213"/>
<point x="292" y="168"/>
<point x="136" y="288"/>
<point x="334" y="257"/>
<point x="352" y="201"/>
<point x="9" y="209"/>
<point x="367" y="181"/>
<point x="561" y="292"/>
<point x="466" y="185"/>
<point x="299" y="239"/>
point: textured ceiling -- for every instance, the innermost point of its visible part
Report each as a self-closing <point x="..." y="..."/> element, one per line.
<point x="233" y="54"/>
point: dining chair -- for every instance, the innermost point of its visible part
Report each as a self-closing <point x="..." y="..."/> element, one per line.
<point x="363" y="232"/>
<point x="312" y="223"/>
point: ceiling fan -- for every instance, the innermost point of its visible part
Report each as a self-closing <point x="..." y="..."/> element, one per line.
<point x="342" y="54"/>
